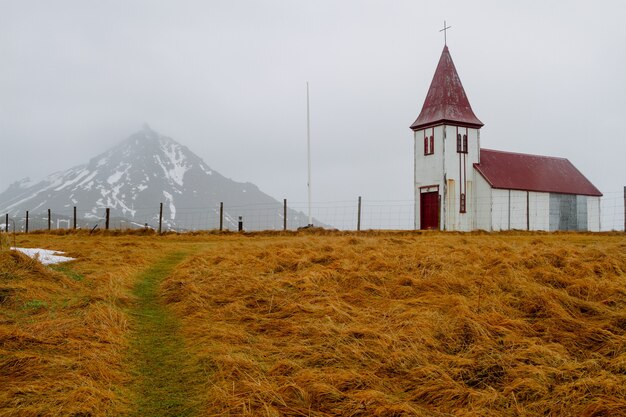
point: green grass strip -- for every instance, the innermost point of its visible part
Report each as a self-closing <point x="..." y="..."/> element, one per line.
<point x="163" y="386"/>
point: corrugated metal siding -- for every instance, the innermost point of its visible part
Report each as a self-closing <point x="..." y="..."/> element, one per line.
<point x="581" y="212"/>
<point x="568" y="212"/>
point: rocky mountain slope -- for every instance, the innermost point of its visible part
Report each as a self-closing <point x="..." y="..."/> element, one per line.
<point x="133" y="178"/>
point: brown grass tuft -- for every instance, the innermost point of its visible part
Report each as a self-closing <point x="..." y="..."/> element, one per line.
<point x="406" y="324"/>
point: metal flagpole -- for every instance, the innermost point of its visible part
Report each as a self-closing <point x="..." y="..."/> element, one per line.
<point x="308" y="149"/>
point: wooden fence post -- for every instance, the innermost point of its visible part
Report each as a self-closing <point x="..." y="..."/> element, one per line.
<point x="74" y="217"/>
<point x="49" y="219"/>
<point x="285" y="214"/>
<point x="6" y="222"/>
<point x="625" y="208"/>
<point x="240" y="223"/>
<point x="221" y="215"/>
<point x="160" y="218"/>
<point x="108" y="214"/>
<point x="26" y="229"/>
<point x="358" y="222"/>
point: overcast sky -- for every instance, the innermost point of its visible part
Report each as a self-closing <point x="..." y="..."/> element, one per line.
<point x="228" y="80"/>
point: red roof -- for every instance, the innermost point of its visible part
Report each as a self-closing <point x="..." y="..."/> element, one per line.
<point x="446" y="100"/>
<point x="518" y="171"/>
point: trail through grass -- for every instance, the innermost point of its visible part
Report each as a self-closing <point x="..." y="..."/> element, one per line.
<point x="163" y="385"/>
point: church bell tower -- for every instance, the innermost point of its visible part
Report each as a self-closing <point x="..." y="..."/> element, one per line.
<point x="446" y="138"/>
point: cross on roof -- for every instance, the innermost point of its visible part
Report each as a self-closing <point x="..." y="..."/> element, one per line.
<point x="444" y="30"/>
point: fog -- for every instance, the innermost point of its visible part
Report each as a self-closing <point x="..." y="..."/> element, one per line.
<point x="228" y="80"/>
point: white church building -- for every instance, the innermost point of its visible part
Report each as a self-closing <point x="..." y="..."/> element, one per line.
<point x="460" y="186"/>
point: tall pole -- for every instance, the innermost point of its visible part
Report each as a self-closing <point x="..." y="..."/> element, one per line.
<point x="625" y="208"/>
<point x="308" y="150"/>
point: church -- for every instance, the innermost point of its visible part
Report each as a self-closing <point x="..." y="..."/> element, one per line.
<point x="460" y="186"/>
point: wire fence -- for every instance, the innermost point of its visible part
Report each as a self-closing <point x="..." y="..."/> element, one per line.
<point x="351" y="214"/>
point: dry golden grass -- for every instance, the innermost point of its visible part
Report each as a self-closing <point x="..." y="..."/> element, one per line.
<point x="322" y="324"/>
<point x="405" y="324"/>
<point x="63" y="333"/>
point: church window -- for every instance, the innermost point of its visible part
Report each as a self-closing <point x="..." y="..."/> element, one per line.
<point x="461" y="143"/>
<point x="429" y="145"/>
<point x="462" y="201"/>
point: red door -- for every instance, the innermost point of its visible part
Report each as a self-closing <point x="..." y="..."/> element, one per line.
<point x="429" y="210"/>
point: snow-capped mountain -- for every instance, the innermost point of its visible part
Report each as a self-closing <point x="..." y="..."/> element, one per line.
<point x="138" y="174"/>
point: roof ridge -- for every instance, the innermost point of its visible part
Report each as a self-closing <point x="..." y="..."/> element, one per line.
<point x="525" y="154"/>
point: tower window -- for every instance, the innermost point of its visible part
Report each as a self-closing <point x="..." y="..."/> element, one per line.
<point x="429" y="145"/>
<point x="461" y="143"/>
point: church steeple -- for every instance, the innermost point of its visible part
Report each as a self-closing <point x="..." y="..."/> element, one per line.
<point x="446" y="101"/>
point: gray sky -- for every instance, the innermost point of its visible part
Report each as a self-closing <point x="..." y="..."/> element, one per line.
<point x="227" y="79"/>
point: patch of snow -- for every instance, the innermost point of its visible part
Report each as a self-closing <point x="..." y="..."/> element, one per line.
<point x="177" y="161"/>
<point x="45" y="256"/>
<point x="89" y="178"/>
<point x="169" y="198"/>
<point x="115" y="177"/>
<point x="101" y="162"/>
<point x="141" y="187"/>
<point x="81" y="174"/>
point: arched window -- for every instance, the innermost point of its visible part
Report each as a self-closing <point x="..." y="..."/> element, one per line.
<point x="461" y="143"/>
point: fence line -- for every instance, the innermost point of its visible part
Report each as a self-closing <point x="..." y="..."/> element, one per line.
<point x="355" y="214"/>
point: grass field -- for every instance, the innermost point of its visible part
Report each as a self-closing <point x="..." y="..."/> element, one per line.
<point x="316" y="324"/>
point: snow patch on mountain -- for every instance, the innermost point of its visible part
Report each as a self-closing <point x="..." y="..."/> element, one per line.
<point x="170" y="200"/>
<point x="178" y="164"/>
<point x="115" y="177"/>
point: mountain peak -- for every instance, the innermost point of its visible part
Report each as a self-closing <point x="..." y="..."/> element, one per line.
<point x="134" y="177"/>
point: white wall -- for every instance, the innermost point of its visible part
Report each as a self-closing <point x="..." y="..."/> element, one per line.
<point x="499" y="209"/>
<point x="593" y="214"/>
<point x="455" y="166"/>
<point x="445" y="167"/>
<point x="428" y="168"/>
<point x="539" y="211"/>
<point x="482" y="203"/>
<point x="518" y="210"/>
